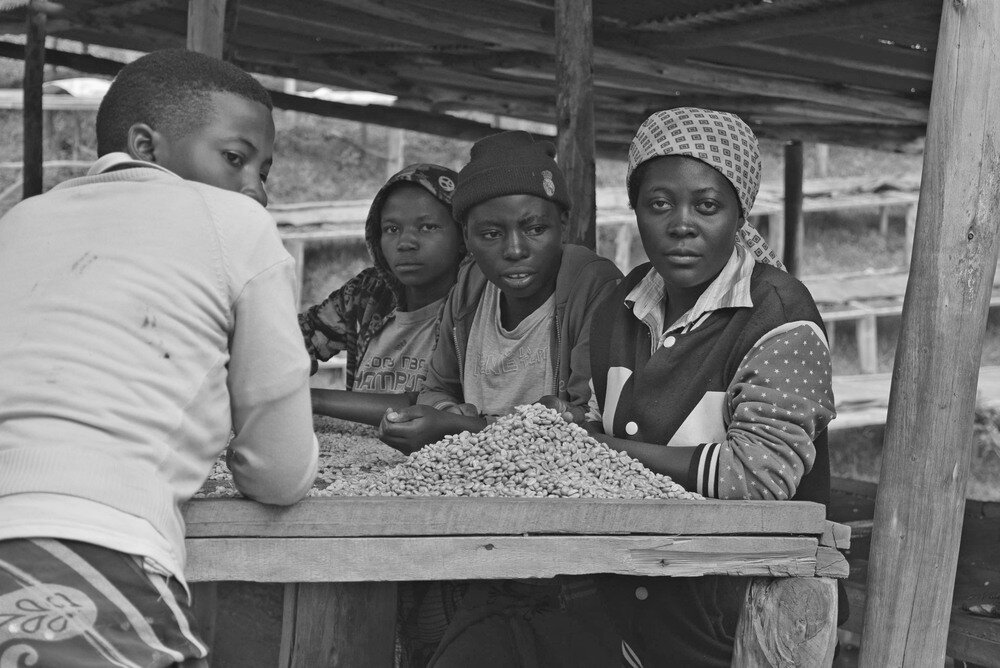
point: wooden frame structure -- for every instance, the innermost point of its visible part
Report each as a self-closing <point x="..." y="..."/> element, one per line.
<point x="846" y="71"/>
<point x="342" y="557"/>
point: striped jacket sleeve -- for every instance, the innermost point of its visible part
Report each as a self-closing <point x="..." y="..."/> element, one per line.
<point x="779" y="400"/>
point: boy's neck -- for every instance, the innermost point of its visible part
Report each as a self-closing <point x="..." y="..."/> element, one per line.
<point x="513" y="311"/>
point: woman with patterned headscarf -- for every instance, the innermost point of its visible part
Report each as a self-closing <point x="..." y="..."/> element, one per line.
<point x="712" y="367"/>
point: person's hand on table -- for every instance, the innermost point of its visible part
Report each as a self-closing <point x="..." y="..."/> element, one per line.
<point x="468" y="410"/>
<point x="413" y="427"/>
<point x="567" y="411"/>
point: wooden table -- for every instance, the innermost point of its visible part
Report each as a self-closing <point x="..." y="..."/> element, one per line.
<point x="341" y="558"/>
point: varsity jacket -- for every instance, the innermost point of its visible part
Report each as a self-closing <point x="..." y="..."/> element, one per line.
<point x="750" y="387"/>
<point x="585" y="279"/>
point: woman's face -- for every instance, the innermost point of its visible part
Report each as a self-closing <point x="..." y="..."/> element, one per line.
<point x="420" y="241"/>
<point x="688" y="214"/>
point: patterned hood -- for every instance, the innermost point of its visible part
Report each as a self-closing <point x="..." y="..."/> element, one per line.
<point x="438" y="181"/>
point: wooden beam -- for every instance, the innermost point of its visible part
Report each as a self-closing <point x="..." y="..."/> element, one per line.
<point x="422" y="516"/>
<point x="338" y="624"/>
<point x="494" y="557"/>
<point x="786" y="54"/>
<point x="206" y="27"/>
<point x="928" y="435"/>
<point x="121" y="10"/>
<point x="793" y="207"/>
<point x="839" y="13"/>
<point x="575" y="115"/>
<point x="728" y="15"/>
<point x="33" y="117"/>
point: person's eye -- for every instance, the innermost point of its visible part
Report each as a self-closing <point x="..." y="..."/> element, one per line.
<point x="490" y="235"/>
<point x="235" y="159"/>
<point x="708" y="206"/>
<point x="659" y="204"/>
<point x="263" y="177"/>
<point x="430" y="227"/>
<point x="537" y="230"/>
<point x="389" y="229"/>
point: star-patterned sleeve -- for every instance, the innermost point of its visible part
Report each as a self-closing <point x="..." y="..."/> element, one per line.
<point x="779" y="399"/>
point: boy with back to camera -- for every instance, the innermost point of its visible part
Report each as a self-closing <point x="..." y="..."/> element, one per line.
<point x="147" y="310"/>
<point x="516" y="326"/>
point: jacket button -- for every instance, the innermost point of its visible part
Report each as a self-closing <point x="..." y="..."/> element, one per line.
<point x="631" y="429"/>
<point x="641" y="593"/>
<point x="669" y="342"/>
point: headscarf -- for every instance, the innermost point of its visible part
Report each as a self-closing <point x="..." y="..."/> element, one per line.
<point x="719" y="139"/>
<point x="437" y="180"/>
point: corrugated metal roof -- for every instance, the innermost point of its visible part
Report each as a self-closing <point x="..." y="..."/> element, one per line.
<point x="848" y="71"/>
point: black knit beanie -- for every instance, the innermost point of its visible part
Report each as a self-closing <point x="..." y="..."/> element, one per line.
<point x="509" y="163"/>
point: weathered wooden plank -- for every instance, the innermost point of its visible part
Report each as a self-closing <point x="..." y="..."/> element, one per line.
<point x="831" y="563"/>
<point x="33" y="117"/>
<point x="925" y="461"/>
<point x="787" y="622"/>
<point x="575" y="114"/>
<point x="206" y="26"/>
<point x="491" y="557"/>
<point x="440" y="516"/>
<point x="338" y="625"/>
<point x="793" y="206"/>
<point x="836" y="535"/>
<point x="204" y="606"/>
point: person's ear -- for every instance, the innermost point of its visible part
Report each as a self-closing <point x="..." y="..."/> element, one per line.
<point x="141" y="142"/>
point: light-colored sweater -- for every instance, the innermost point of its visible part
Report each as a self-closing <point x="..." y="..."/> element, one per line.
<point x="142" y="317"/>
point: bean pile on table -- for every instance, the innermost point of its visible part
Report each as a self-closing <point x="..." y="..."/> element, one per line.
<point x="531" y="452"/>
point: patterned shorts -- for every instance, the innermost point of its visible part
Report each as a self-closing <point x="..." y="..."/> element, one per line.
<point x="66" y="603"/>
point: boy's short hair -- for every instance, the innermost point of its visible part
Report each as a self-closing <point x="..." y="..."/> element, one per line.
<point x="168" y="90"/>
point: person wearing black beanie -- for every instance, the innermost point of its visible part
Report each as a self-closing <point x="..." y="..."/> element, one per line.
<point x="510" y="163"/>
<point x="515" y="330"/>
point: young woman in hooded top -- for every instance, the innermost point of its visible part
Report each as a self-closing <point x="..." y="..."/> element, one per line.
<point x="386" y="317"/>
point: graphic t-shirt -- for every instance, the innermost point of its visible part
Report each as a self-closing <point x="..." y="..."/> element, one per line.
<point x="505" y="368"/>
<point x="396" y="359"/>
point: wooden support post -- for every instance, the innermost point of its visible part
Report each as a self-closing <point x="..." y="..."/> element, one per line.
<point x="787" y="622"/>
<point x="623" y="246"/>
<point x="867" y="337"/>
<point x="575" y="114"/>
<point x="205" y="606"/>
<point x="206" y="26"/>
<point x="793" y="207"/>
<point x="928" y="434"/>
<point x="396" y="144"/>
<point x="776" y="233"/>
<point x="911" y="223"/>
<point x="822" y="160"/>
<point x="34" y="73"/>
<point x="338" y="625"/>
<point x="883" y="221"/>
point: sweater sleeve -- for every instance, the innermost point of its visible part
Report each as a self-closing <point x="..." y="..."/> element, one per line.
<point x="331" y="325"/>
<point x="779" y="400"/>
<point x="273" y="454"/>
